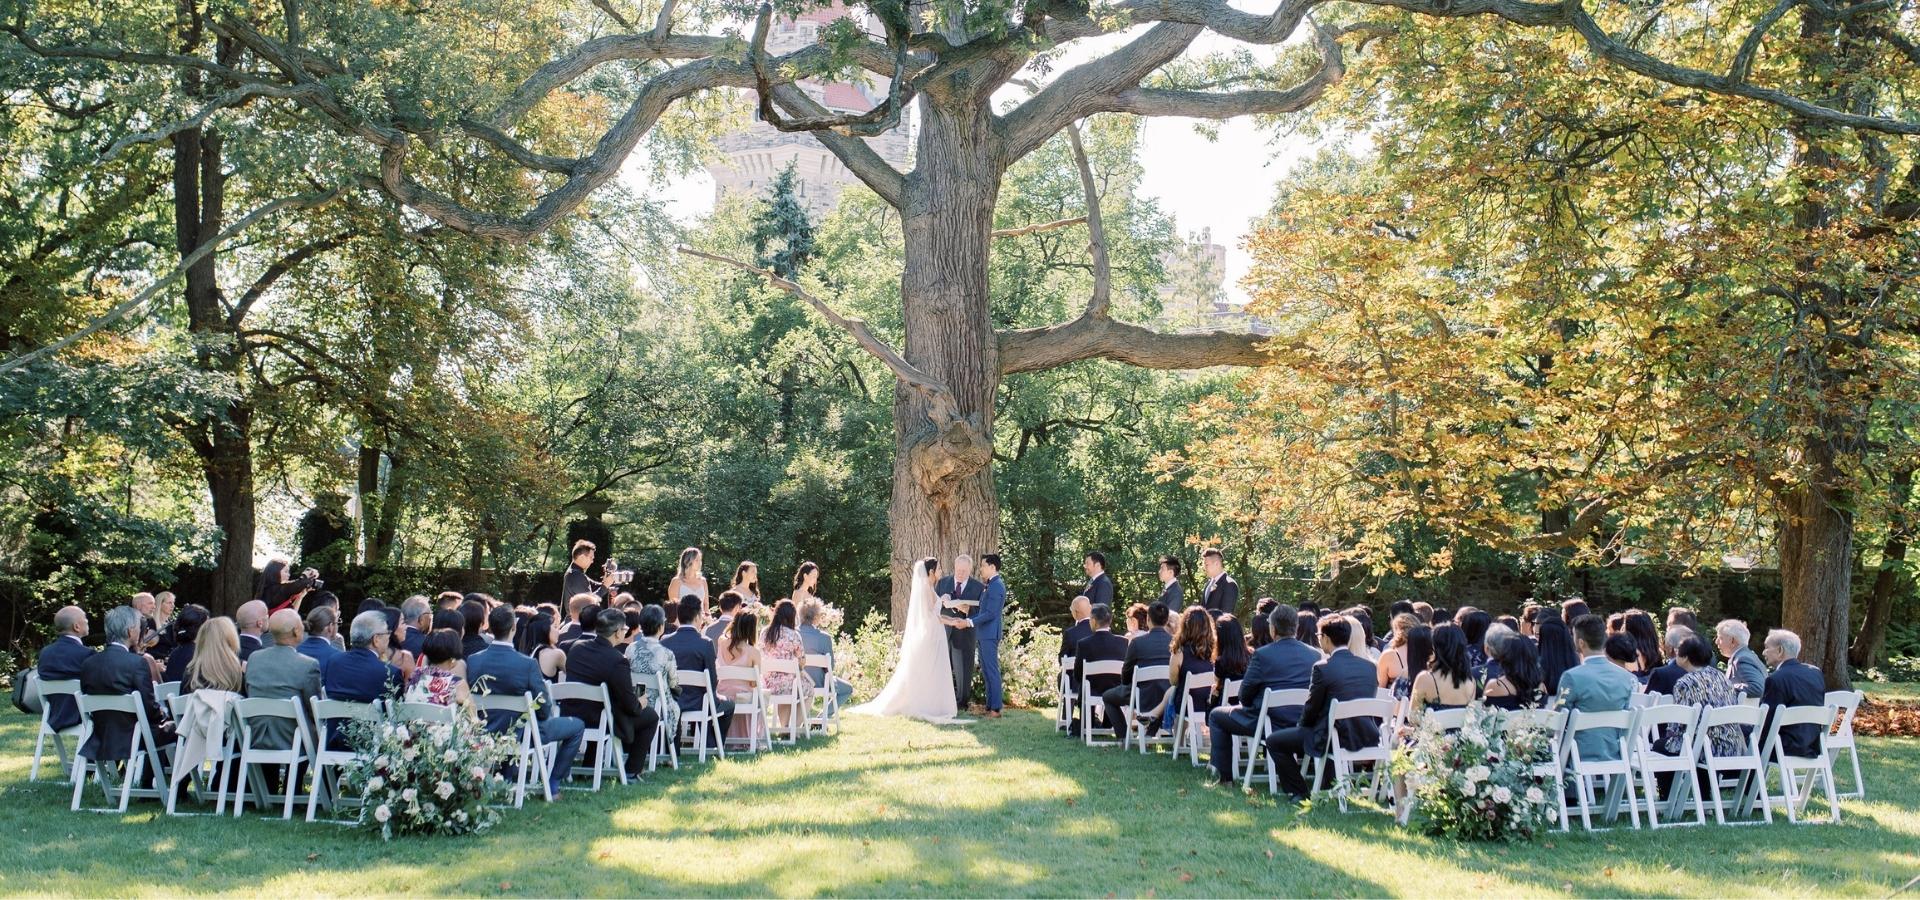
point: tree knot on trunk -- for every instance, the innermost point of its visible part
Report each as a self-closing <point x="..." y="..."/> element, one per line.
<point x="944" y="456"/>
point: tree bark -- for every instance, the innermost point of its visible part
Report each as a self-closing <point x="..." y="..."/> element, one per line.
<point x="367" y="483"/>
<point x="943" y="494"/>
<point x="1872" y="637"/>
<point x="1816" y="567"/>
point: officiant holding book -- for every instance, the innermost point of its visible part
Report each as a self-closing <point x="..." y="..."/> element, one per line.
<point x="960" y="595"/>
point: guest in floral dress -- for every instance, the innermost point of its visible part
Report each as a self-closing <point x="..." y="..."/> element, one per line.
<point x="782" y="641"/>
<point x="1705" y="685"/>
<point x="650" y="658"/>
<point x="438" y="682"/>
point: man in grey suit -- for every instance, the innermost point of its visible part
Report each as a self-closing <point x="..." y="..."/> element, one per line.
<point x="1744" y="668"/>
<point x="1595" y="685"/>
<point x="279" y="672"/>
<point x="819" y="643"/>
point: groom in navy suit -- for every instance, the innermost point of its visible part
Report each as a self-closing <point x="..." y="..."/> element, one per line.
<point x="959" y="597"/>
<point x="984" y="624"/>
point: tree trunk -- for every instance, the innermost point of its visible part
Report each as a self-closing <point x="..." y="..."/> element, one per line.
<point x="367" y="485"/>
<point x="229" y="471"/>
<point x="1872" y="637"/>
<point x="392" y="502"/>
<point x="1816" y="567"/>
<point x="943" y="494"/>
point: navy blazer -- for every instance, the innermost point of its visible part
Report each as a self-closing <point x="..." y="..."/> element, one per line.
<point x="1100" y="590"/>
<point x="1795" y="684"/>
<point x="499" y="669"/>
<point x="249" y="645"/>
<point x="692" y="652"/>
<point x="1662" y="679"/>
<point x="319" y="650"/>
<point x="1071" y="638"/>
<point x="1342" y="676"/>
<point x="116" y="672"/>
<point x="986" y="617"/>
<point x="61" y="661"/>
<point x="1225" y="596"/>
<point x="1099" y="647"/>
<point x="360" y="676"/>
<point x="175" y="667"/>
<point x="593" y="661"/>
<point x="1285" y="664"/>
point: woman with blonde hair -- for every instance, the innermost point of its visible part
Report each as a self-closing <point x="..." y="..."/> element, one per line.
<point x="688" y="579"/>
<point x="216" y="662"/>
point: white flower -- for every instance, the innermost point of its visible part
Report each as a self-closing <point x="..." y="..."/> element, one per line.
<point x="384" y="762"/>
<point x="1535" y="795"/>
<point x="451" y="755"/>
<point x="459" y="815"/>
<point x="1501" y="794"/>
<point x="443" y="789"/>
<point x="478" y="773"/>
<point x="409" y="795"/>
<point x="381" y="813"/>
<point x="1475" y="736"/>
<point x="1466" y="790"/>
<point x="1477" y="774"/>
<point x="375" y="783"/>
<point x="409" y="754"/>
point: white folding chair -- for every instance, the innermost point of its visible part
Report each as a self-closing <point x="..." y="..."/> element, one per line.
<point x="1141" y="675"/>
<point x="1091" y="700"/>
<point x="1553" y="768"/>
<point x="1655" y="722"/>
<point x="1617" y="772"/>
<point x="1751" y="765"/>
<point x="142" y="751"/>
<point x="66" y="687"/>
<point x="1641" y="700"/>
<point x="1270" y="700"/>
<point x="599" y="734"/>
<point x="700" y="723"/>
<point x="1190" y="725"/>
<point x="1380" y="753"/>
<point x="753" y="706"/>
<point x="430" y="713"/>
<point x="325" y="714"/>
<point x="165" y="690"/>
<point x="1069" y="695"/>
<point x="1793" y="792"/>
<point x="535" y="758"/>
<point x="827" y="716"/>
<point x="1445" y="719"/>
<point x="1844" y="705"/>
<point x="793" y="699"/>
<point x="249" y="711"/>
<point x="210" y="777"/>
<point x="664" y="744"/>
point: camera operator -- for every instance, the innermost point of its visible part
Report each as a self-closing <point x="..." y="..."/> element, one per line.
<point x="577" y="581"/>
<point x="289" y="593"/>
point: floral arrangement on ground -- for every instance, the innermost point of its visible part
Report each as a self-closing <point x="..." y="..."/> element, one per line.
<point x="1478" y="783"/>
<point x="428" y="777"/>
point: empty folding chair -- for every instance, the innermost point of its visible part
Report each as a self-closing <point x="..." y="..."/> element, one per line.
<point x="1820" y="765"/>
<point x="1617" y="772"/>
<point x="1190" y="724"/>
<point x="1270" y="700"/>
<point x="599" y="735"/>
<point x="1069" y="696"/>
<point x="331" y="717"/>
<point x="534" y="759"/>
<point x="164" y="690"/>
<point x="699" y="723"/>
<point x="1090" y="701"/>
<point x="1748" y="763"/>
<point x="750" y="708"/>
<point x="1657" y="724"/>
<point x="1845" y="704"/>
<point x="1129" y="714"/>
<point x="142" y="752"/>
<point x="792" y="700"/>
<point x="68" y="687"/>
<point x="248" y="714"/>
<point x="1343" y="758"/>
<point x="665" y="745"/>
<point x="826" y="716"/>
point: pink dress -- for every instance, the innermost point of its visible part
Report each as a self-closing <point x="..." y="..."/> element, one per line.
<point x="734" y="688"/>
<point x="786" y="646"/>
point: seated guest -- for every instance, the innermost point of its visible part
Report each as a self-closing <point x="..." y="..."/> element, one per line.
<point x="1744" y="668"/>
<point x="1137" y="622"/>
<point x="543" y="644"/>
<point x="653" y="663"/>
<point x="1361" y="639"/>
<point x="575" y="630"/>
<point x="1423" y="611"/>
<point x="1498" y="632"/>
<point x="1306" y="628"/>
<point x="738" y="648"/>
<point x="117" y="671"/>
<point x="593" y="661"/>
<point x="729" y="604"/>
<point x="1153" y="648"/>
<point x="362" y="674"/>
<point x="61" y="661"/>
<point x="1448" y="681"/>
<point x="280" y="672"/>
<point x="781" y="640"/>
<point x="1100" y="646"/>
<point x="1416" y="649"/>
<point x="692" y="652"/>
<point x="1391" y="668"/>
<point x="1473" y="624"/>
<point x="1082" y="628"/>
<point x="1341" y="676"/>
<point x="1621" y="652"/>
<point x="1572" y="608"/>
<point x="1700" y="684"/>
<point x="186" y="629"/>
<point x="1595" y="685"/>
<point x="1793" y="683"/>
<point x="1230" y="658"/>
<point x="323" y="628"/>
<point x="499" y="669"/>
<point x="1557" y="652"/>
<point x="1193" y="652"/>
<point x="1260" y="630"/>
<point x="473" y="623"/>
<point x="1682" y="617"/>
<point x="216" y="659"/>
<point x="820" y="643"/>
<point x="447" y="600"/>
<point x="438" y="682"/>
<point x="251" y="620"/>
<point x="1638" y="625"/>
<point x="1662" y="679"/>
<point x="1284" y="664"/>
<point x="416" y="618"/>
<point x="1519" y="685"/>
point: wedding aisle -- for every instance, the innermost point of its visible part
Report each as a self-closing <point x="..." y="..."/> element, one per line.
<point x="894" y="807"/>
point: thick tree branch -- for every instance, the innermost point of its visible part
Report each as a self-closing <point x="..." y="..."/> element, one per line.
<point x="1079" y="91"/>
<point x="1102" y="299"/>
<point x="517" y="151"/>
<point x="855" y="153"/>
<point x="878" y="120"/>
<point x="1088" y="337"/>
<point x="941" y="406"/>
<point x="1038" y="227"/>
<point x="1227" y="105"/>
<point x="279" y="268"/>
<point x="234" y="98"/>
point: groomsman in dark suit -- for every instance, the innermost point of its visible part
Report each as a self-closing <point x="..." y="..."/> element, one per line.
<point x="1099" y="590"/>
<point x="1222" y="593"/>
<point x="1172" y="592"/>
<point x="959" y="595"/>
<point x="1100" y="646"/>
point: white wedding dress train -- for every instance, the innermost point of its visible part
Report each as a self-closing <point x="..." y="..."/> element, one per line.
<point x="922" y="682"/>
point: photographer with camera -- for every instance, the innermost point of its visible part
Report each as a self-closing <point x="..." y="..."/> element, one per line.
<point x="577" y="581"/>
<point x="288" y="593"/>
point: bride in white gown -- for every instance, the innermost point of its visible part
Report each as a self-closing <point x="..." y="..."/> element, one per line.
<point x="922" y="683"/>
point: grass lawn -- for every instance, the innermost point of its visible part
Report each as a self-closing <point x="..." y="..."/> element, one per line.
<point x="898" y="808"/>
<point x="1907" y="690"/>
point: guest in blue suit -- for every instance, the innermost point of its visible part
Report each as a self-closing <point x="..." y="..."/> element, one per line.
<point x="692" y="652"/>
<point x="1595" y="685"/>
<point x="61" y="661"/>
<point x="1793" y="683"/>
<point x="1284" y="664"/>
<point x="500" y="669"/>
<point x="361" y="674"/>
<point x="1343" y="675"/>
<point x="985" y="622"/>
<point x="323" y="622"/>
